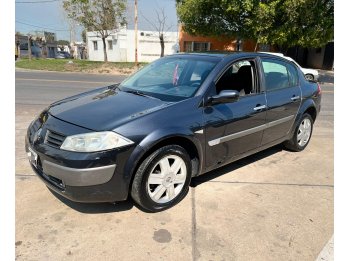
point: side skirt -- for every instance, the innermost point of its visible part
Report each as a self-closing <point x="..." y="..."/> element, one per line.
<point x="246" y="154"/>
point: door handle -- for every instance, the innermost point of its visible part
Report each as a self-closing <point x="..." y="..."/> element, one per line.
<point x="295" y="98"/>
<point x="259" y="107"/>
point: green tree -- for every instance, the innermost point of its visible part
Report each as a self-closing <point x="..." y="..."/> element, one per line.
<point x="101" y="16"/>
<point x="216" y="17"/>
<point x="307" y="23"/>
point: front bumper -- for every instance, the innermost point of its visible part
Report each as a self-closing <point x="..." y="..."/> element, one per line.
<point x="81" y="177"/>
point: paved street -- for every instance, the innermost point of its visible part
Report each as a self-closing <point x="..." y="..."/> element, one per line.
<point x="275" y="205"/>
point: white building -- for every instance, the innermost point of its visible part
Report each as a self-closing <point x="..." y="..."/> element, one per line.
<point x="120" y="46"/>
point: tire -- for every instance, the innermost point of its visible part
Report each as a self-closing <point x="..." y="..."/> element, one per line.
<point x="163" y="178"/>
<point x="299" y="142"/>
<point x="309" y="77"/>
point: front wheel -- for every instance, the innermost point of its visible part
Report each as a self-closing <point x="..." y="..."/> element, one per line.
<point x="302" y="134"/>
<point x="162" y="179"/>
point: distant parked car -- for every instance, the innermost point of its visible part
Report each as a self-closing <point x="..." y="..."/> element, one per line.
<point x="310" y="74"/>
<point x="63" y="55"/>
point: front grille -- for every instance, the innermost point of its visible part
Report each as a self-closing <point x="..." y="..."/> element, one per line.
<point x="54" y="139"/>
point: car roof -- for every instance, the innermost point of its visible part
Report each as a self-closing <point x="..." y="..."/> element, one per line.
<point x="273" y="53"/>
<point x="224" y="54"/>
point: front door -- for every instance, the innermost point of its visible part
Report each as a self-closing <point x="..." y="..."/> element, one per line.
<point x="283" y="96"/>
<point x="236" y="127"/>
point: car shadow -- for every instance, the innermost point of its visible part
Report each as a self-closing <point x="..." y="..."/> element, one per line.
<point x="96" y="208"/>
<point x="196" y="181"/>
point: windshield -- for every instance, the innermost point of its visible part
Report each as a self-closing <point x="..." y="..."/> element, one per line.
<point x="169" y="79"/>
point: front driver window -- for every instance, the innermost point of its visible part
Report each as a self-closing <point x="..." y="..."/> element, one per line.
<point x="240" y="76"/>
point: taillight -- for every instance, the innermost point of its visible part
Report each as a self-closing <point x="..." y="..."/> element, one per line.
<point x="319" y="88"/>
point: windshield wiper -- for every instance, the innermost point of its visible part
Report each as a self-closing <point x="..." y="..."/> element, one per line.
<point x="141" y="94"/>
<point x="114" y="87"/>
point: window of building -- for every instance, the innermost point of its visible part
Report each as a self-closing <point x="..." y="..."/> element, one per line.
<point x="110" y="44"/>
<point x="95" y="45"/>
<point x="239" y="45"/>
<point x="196" y="46"/>
<point x="188" y="47"/>
<point x="201" y="47"/>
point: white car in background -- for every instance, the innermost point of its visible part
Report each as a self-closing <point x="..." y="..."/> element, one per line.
<point x="310" y="74"/>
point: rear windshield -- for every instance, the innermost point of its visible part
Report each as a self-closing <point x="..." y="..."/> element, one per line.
<point x="170" y="79"/>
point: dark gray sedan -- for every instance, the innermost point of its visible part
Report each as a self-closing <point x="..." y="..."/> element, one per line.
<point x="179" y="117"/>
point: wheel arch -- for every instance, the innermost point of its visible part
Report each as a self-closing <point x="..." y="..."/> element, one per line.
<point x="312" y="111"/>
<point x="150" y="144"/>
<point x="308" y="106"/>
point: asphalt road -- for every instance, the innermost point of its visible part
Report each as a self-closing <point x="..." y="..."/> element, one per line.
<point x="43" y="88"/>
<point x="274" y="205"/>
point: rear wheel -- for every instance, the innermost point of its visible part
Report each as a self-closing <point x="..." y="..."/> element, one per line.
<point x="302" y="134"/>
<point x="309" y="77"/>
<point x="162" y="179"/>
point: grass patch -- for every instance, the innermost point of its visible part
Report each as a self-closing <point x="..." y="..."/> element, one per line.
<point x="70" y="65"/>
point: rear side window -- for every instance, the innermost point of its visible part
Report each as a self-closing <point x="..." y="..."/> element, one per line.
<point x="293" y="76"/>
<point x="276" y="74"/>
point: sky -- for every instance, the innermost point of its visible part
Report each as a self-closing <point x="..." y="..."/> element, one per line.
<point x="50" y="16"/>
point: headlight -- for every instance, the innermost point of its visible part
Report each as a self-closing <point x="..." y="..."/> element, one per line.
<point x="95" y="141"/>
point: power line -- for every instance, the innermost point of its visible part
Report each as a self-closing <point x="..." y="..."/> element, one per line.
<point x="42" y="27"/>
<point x="37" y="2"/>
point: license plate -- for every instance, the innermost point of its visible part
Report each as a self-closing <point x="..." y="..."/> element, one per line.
<point x="32" y="155"/>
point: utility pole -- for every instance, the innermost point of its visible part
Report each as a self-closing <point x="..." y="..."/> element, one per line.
<point x="29" y="46"/>
<point x="136" y="31"/>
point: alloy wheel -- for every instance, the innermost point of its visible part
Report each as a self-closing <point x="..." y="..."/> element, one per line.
<point x="166" y="179"/>
<point x="304" y="132"/>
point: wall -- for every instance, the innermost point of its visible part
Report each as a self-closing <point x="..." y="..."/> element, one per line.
<point x="314" y="58"/>
<point x="149" y="48"/>
<point x="222" y="43"/>
<point x="98" y="55"/>
<point x="218" y="43"/>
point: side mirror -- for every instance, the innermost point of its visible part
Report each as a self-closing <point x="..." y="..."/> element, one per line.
<point x="225" y="96"/>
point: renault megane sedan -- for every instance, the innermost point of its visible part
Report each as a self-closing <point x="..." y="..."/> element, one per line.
<point x="177" y="118"/>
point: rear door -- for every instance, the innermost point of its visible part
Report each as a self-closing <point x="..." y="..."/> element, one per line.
<point x="283" y="95"/>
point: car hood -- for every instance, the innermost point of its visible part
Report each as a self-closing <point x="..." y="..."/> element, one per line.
<point x="104" y="109"/>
